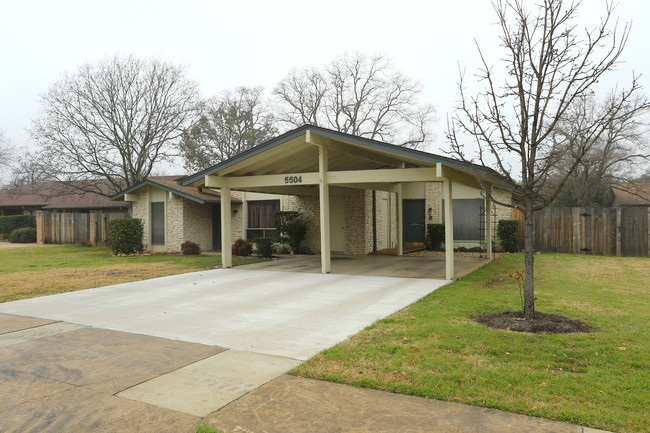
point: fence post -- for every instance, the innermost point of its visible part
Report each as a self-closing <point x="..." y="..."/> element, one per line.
<point x="93" y="229"/>
<point x="40" y="228"/>
<point x="647" y="224"/>
<point x="618" y="231"/>
<point x="576" y="230"/>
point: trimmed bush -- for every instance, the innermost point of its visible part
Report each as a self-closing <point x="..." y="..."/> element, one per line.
<point x="508" y="232"/>
<point x="264" y="247"/>
<point x="435" y="236"/>
<point x="125" y="235"/>
<point x="242" y="248"/>
<point x="10" y="223"/>
<point x="292" y="228"/>
<point x="25" y="235"/>
<point x="190" y="248"/>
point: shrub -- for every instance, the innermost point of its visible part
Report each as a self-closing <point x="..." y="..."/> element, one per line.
<point x="292" y="228"/>
<point x="435" y="236"/>
<point x="25" y="235"/>
<point x="264" y="247"/>
<point x="10" y="223"/>
<point x="190" y="248"/>
<point x="508" y="232"/>
<point x="125" y="235"/>
<point x="242" y="247"/>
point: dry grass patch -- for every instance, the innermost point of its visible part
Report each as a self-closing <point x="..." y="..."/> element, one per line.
<point x="21" y="285"/>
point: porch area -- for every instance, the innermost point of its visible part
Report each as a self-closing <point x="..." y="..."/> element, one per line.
<point x="374" y="265"/>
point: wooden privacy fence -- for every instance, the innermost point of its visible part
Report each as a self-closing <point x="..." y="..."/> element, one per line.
<point x="74" y="228"/>
<point x="620" y="231"/>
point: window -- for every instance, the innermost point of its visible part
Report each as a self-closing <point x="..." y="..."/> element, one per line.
<point x="261" y="219"/>
<point x="467" y="217"/>
<point x="158" y="223"/>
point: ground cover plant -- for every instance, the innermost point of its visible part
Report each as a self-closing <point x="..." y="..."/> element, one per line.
<point x="436" y="349"/>
<point x="45" y="270"/>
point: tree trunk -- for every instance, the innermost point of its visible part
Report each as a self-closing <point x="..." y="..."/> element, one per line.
<point x="529" y="248"/>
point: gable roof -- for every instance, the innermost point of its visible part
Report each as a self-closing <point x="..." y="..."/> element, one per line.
<point x="170" y="183"/>
<point x="631" y="194"/>
<point x="288" y="153"/>
<point x="54" y="195"/>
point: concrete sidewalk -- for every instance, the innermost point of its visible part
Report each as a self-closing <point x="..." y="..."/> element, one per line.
<point x="59" y="377"/>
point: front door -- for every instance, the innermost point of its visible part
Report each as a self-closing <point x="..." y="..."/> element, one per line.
<point x="414" y="226"/>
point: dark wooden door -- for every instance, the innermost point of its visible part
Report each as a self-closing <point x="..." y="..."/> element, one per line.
<point x="414" y="226"/>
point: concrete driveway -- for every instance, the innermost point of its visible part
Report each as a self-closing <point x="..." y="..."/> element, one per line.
<point x="293" y="315"/>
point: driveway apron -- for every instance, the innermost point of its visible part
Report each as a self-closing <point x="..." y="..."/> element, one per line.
<point x="270" y="321"/>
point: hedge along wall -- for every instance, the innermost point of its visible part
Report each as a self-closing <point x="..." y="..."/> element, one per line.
<point x="11" y="223"/>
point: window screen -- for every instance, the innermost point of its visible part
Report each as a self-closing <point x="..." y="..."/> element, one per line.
<point x="467" y="217"/>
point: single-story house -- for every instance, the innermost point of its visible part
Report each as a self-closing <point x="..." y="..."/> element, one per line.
<point x="54" y="197"/>
<point x="631" y="194"/>
<point x="357" y="194"/>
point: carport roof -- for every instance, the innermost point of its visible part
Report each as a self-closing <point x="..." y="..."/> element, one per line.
<point x="289" y="153"/>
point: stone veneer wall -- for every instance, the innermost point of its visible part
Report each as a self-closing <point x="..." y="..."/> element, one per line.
<point x="433" y="200"/>
<point x="502" y="212"/>
<point x="310" y="208"/>
<point x="175" y="217"/>
<point x="355" y="203"/>
<point x="140" y="209"/>
<point x="196" y="224"/>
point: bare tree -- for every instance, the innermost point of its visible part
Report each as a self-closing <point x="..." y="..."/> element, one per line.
<point x="359" y="95"/>
<point x="6" y="151"/>
<point x="547" y="67"/>
<point x="114" y="120"/>
<point x="229" y="125"/>
<point x="614" y="158"/>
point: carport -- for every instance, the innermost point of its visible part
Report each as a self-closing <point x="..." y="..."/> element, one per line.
<point x="310" y="160"/>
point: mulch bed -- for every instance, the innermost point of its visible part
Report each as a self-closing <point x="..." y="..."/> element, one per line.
<point x="543" y="322"/>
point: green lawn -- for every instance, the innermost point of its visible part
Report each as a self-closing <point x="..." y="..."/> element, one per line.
<point x="59" y="256"/>
<point x="435" y="349"/>
<point x="45" y="270"/>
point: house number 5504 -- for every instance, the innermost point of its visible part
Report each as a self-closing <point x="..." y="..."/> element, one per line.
<point x="293" y="179"/>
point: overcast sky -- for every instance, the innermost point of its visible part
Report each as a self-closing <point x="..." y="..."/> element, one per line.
<point x="249" y="43"/>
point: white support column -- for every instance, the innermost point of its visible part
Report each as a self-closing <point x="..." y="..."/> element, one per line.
<point x="449" y="229"/>
<point x="488" y="225"/>
<point x="324" y="195"/>
<point x="399" y="221"/>
<point x="226" y="230"/>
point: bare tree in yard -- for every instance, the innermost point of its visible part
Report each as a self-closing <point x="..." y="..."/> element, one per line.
<point x="548" y="67"/>
<point x="359" y="95"/>
<point x="6" y="151"/>
<point x="614" y="158"/>
<point x="114" y="120"/>
<point x="229" y="125"/>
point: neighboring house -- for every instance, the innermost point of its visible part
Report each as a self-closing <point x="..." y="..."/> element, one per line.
<point x="52" y="197"/>
<point x="636" y="194"/>
<point x="376" y="196"/>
